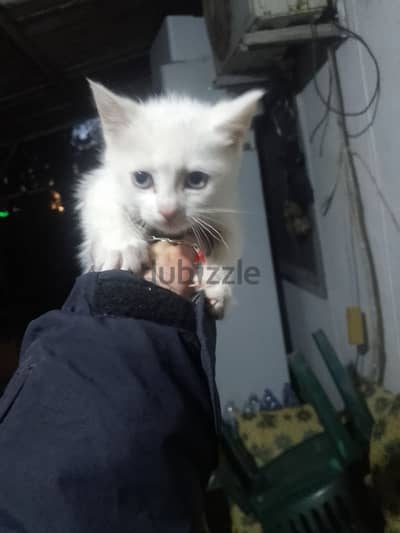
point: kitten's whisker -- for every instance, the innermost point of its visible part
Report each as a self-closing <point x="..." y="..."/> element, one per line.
<point x="203" y="236"/>
<point x="216" y="234"/>
<point x="207" y="238"/>
<point x="226" y="210"/>
<point x="215" y="220"/>
<point x="211" y="226"/>
<point x="196" y="235"/>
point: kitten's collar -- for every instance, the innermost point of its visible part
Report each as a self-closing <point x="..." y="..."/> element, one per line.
<point x="200" y="256"/>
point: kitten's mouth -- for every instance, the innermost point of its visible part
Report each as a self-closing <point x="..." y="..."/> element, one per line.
<point x="205" y="243"/>
<point x="155" y="232"/>
<point x="204" y="235"/>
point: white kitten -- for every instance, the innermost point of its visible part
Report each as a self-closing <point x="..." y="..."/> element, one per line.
<point x="169" y="167"/>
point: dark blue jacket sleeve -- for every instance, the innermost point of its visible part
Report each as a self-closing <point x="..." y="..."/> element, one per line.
<point x="109" y="423"/>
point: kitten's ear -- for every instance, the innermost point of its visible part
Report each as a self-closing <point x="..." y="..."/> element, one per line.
<point x="234" y="117"/>
<point x="115" y="111"/>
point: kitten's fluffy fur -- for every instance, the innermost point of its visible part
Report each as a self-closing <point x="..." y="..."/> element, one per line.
<point x="168" y="137"/>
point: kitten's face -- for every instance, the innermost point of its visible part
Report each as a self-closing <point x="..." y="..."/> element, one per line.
<point x="176" y="159"/>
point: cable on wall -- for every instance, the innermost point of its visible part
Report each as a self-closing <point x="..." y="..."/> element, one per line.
<point x="378" y="351"/>
<point x="324" y="121"/>
<point x="327" y="101"/>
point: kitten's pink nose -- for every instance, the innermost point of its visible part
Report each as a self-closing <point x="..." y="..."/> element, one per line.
<point x="168" y="213"/>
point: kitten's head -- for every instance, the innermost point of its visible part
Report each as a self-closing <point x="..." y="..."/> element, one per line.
<point x="175" y="158"/>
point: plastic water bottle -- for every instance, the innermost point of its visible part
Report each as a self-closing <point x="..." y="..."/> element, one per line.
<point x="230" y="415"/>
<point x="269" y="402"/>
<point x="255" y="402"/>
<point x="251" y="407"/>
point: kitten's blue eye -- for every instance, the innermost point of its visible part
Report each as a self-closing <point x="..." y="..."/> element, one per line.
<point x="196" y="180"/>
<point x="142" y="179"/>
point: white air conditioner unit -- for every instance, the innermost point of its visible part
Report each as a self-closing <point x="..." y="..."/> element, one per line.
<point x="231" y="23"/>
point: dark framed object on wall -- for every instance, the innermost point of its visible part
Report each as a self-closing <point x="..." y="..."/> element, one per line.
<point x="289" y="195"/>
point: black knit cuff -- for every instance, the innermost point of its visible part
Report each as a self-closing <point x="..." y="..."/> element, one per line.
<point x="122" y="294"/>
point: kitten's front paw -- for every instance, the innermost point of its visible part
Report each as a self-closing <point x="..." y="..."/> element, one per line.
<point x="130" y="255"/>
<point x="218" y="297"/>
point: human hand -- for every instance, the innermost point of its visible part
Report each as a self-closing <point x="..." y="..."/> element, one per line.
<point x="172" y="267"/>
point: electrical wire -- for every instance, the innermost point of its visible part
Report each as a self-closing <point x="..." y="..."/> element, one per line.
<point x="387" y="206"/>
<point x="327" y="203"/>
<point x="326" y="111"/>
<point x="327" y="101"/>
<point x="378" y="350"/>
<point x="323" y="135"/>
<point x="350" y="248"/>
<point x="352" y="34"/>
